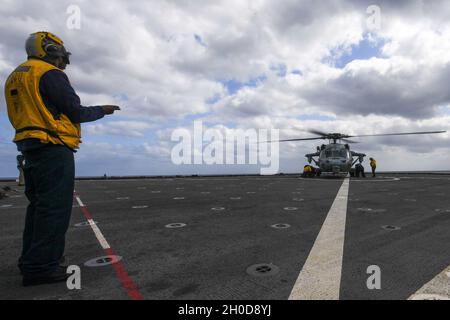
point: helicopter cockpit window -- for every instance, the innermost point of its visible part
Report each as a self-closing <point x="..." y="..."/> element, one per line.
<point x="336" y="153"/>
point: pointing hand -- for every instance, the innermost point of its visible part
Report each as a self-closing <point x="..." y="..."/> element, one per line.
<point x="109" y="109"/>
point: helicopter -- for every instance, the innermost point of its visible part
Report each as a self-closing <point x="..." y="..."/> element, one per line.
<point x="335" y="158"/>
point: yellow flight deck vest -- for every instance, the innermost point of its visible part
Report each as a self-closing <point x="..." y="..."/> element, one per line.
<point x="28" y="113"/>
<point x="373" y="164"/>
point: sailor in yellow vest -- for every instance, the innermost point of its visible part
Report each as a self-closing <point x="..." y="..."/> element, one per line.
<point x="46" y="114"/>
<point x="373" y="165"/>
<point x="308" y="171"/>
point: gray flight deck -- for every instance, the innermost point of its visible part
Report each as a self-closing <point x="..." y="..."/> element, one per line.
<point x="229" y="228"/>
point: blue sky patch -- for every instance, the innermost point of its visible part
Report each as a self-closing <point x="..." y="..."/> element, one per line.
<point x="234" y="86"/>
<point x="6" y="129"/>
<point x="215" y="98"/>
<point x="364" y="50"/>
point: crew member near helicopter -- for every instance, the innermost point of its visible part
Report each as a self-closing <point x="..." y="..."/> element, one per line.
<point x="359" y="170"/>
<point x="308" y="171"/>
<point x="46" y="114"/>
<point x="373" y="165"/>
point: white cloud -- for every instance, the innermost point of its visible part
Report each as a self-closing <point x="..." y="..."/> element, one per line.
<point x="120" y="128"/>
<point x="162" y="61"/>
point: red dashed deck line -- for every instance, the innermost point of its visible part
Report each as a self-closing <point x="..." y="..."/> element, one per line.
<point x="127" y="283"/>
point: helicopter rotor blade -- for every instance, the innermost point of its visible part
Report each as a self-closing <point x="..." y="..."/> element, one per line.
<point x="343" y="137"/>
<point x="349" y="141"/>
<point x="397" y="134"/>
<point x="318" y="138"/>
<point x="319" y="133"/>
<point x="285" y="140"/>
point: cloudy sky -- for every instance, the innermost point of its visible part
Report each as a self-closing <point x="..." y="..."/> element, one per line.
<point x="296" y="65"/>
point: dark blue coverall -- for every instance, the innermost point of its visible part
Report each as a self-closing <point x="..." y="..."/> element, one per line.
<point x="49" y="180"/>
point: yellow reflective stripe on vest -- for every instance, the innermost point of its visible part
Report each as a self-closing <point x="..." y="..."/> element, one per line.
<point x="49" y="132"/>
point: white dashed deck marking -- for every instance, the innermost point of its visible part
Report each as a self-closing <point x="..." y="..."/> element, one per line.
<point x="98" y="234"/>
<point x="81" y="204"/>
<point x="320" y="277"/>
